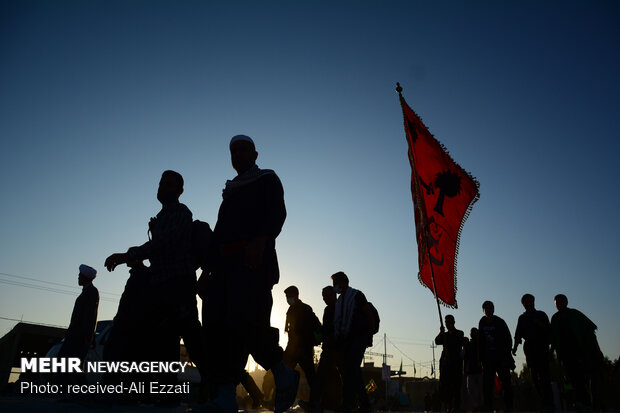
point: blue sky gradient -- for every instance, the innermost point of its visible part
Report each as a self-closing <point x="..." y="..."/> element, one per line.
<point x="98" y="98"/>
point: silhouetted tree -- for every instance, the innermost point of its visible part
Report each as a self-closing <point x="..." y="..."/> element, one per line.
<point x="449" y="185"/>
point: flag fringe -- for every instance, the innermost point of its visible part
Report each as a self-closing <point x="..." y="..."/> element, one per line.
<point x="465" y="216"/>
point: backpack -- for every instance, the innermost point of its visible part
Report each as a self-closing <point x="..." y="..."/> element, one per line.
<point x="317" y="330"/>
<point x="202" y="236"/>
<point x="375" y="320"/>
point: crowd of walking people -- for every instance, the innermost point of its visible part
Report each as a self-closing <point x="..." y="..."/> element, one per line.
<point x="239" y="269"/>
<point x="484" y="361"/>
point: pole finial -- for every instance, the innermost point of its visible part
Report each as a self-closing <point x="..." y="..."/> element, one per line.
<point x="399" y="89"/>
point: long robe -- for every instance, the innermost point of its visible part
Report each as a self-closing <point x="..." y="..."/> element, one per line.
<point x="81" y="331"/>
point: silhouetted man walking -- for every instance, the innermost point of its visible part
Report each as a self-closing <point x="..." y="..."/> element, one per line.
<point x="81" y="331"/>
<point x="245" y="269"/>
<point x="495" y="342"/>
<point x="327" y="389"/>
<point x="534" y="327"/>
<point x="574" y="340"/>
<point x="450" y="364"/>
<point x="352" y="333"/>
<point x="301" y="325"/>
<point x="170" y="281"/>
<point x="472" y="368"/>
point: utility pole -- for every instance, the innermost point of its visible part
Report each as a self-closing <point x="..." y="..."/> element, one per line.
<point x="387" y="378"/>
<point x="384" y="350"/>
<point x="434" y="369"/>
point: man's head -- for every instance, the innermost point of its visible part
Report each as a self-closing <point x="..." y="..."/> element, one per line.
<point x="242" y="153"/>
<point x="561" y="302"/>
<point x="292" y="295"/>
<point x="473" y="333"/>
<point x="170" y="187"/>
<point x="329" y="295"/>
<point x="528" y="302"/>
<point x="488" y="308"/>
<point x="449" y="321"/>
<point x="340" y="282"/>
<point x="86" y="275"/>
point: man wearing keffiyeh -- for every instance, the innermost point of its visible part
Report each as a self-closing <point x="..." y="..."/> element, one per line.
<point x="353" y="333"/>
<point x="244" y="268"/>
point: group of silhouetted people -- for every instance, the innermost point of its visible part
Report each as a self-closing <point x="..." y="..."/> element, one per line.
<point x="484" y="362"/>
<point x="239" y="269"/>
<point x="345" y="333"/>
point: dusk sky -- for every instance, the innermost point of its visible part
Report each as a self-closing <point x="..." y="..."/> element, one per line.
<point x="97" y="98"/>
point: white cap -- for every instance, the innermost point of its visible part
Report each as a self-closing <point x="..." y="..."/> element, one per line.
<point x="88" y="272"/>
<point x="238" y="138"/>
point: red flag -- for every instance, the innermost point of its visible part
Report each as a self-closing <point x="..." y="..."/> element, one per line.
<point x="443" y="195"/>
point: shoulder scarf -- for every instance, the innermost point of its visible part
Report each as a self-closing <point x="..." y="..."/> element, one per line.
<point x="344" y="312"/>
<point x="248" y="177"/>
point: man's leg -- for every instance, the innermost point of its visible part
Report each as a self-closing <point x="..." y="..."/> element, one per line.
<point x="290" y="356"/>
<point x="266" y="351"/>
<point x="577" y="377"/>
<point x="474" y="384"/>
<point x="325" y="370"/>
<point x="225" y="368"/>
<point x="306" y="362"/>
<point x="594" y="378"/>
<point x="316" y="391"/>
<point x="263" y="344"/>
<point x="504" y="376"/>
<point x="246" y="312"/>
<point x="191" y="330"/>
<point x="488" y="381"/>
<point x="455" y="388"/>
<point x="250" y="386"/>
<point x="353" y="382"/>
<point x="544" y="375"/>
<point x="345" y="366"/>
<point x="478" y="390"/>
<point x="539" y="369"/>
<point x="443" y="386"/>
<point x="449" y="383"/>
<point x="226" y="348"/>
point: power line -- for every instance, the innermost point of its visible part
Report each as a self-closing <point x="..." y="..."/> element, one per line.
<point x="38" y="287"/>
<point x="409" y="341"/>
<point x="401" y="352"/>
<point x="375" y="346"/>
<point x="50" y="289"/>
<point x="51" y="283"/>
<point x="37" y="280"/>
<point x="31" y="322"/>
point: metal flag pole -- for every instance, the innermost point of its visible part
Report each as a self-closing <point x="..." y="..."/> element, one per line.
<point x="418" y="205"/>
